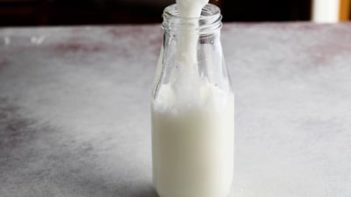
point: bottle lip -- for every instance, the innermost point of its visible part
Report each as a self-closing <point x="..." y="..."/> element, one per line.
<point x="209" y="21"/>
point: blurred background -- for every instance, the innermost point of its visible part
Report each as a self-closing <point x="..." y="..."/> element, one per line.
<point x="90" y="12"/>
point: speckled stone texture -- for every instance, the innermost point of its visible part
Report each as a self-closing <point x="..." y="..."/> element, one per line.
<point x="75" y="122"/>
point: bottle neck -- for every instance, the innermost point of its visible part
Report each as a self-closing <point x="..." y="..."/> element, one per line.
<point x="208" y="23"/>
<point x="192" y="48"/>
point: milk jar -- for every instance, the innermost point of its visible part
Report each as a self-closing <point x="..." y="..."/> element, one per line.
<point x="192" y="108"/>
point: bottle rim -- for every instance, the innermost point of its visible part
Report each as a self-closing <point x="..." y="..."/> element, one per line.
<point x="209" y="21"/>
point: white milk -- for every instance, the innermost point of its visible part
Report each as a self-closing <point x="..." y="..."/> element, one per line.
<point x="192" y="126"/>
<point x="193" y="147"/>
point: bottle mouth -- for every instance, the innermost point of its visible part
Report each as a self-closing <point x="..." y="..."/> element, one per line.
<point x="209" y="21"/>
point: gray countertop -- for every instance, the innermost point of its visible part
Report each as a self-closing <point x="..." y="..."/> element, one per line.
<point x="74" y="110"/>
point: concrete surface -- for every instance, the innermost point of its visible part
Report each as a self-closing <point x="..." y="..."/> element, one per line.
<point x="74" y="110"/>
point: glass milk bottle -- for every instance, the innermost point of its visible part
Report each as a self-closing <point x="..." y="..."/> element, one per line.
<point x="192" y="109"/>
